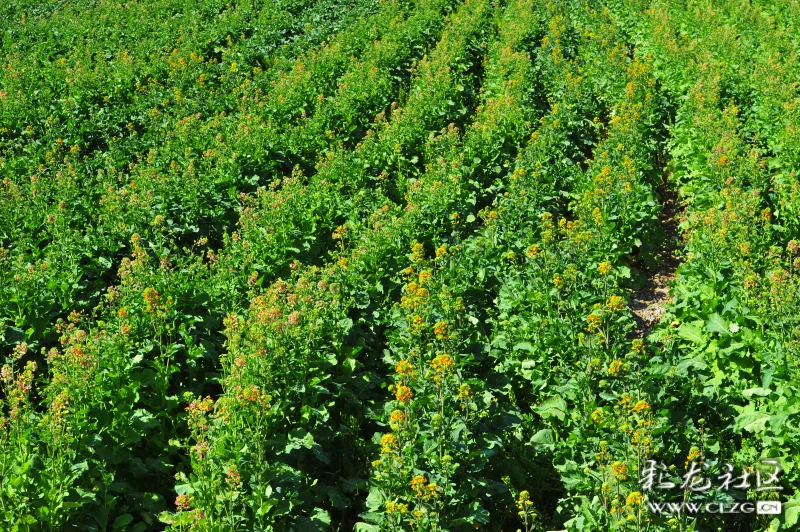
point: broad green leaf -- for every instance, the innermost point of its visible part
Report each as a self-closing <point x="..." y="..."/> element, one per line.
<point x="543" y="437"/>
<point x="791" y="512"/>
<point x="375" y="499"/>
<point x="554" y="406"/>
<point x="123" y="521"/>
<point x="754" y="422"/>
<point x="184" y="489"/>
<point x="321" y="516"/>
<point x="761" y="392"/>
<point x="717" y="324"/>
<point x="693" y="333"/>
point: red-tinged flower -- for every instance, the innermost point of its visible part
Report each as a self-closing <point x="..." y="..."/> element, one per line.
<point x="233" y="477"/>
<point x="20" y="350"/>
<point x="183" y="502"/>
<point x="6" y="374"/>
<point x="201" y="449"/>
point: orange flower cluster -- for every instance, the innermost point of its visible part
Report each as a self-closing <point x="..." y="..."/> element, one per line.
<point x="422" y="489"/>
<point x="404" y="368"/>
<point x="403" y="393"/>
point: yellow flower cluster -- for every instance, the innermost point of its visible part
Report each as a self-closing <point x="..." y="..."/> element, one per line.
<point x="619" y="471"/>
<point x="442" y="367"/>
<point x="415" y="295"/>
<point x="423" y="489"/>
<point x="533" y="250"/>
<point x="465" y="392"/>
<point x="634" y="499"/>
<point x="388" y="443"/>
<point x="524" y="500"/>
<point x="417" y="252"/>
<point x="440" y="330"/>
<point x="694" y="455"/>
<point x="616" y="303"/>
<point x="425" y="277"/>
<point x="397" y="419"/>
<point x="153" y="302"/>
<point x="396" y="508"/>
<point x="593" y="322"/>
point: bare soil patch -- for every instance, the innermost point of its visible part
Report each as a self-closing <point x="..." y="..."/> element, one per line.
<point x="648" y="303"/>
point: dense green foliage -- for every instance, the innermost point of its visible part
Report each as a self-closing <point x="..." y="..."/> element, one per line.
<point x="357" y="264"/>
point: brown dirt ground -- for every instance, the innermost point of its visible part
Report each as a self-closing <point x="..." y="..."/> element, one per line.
<point x="648" y="303"/>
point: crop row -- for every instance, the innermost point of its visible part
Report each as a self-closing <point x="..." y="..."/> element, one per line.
<point x="727" y="344"/>
<point x="72" y="245"/>
<point x="276" y="349"/>
<point x="178" y="340"/>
